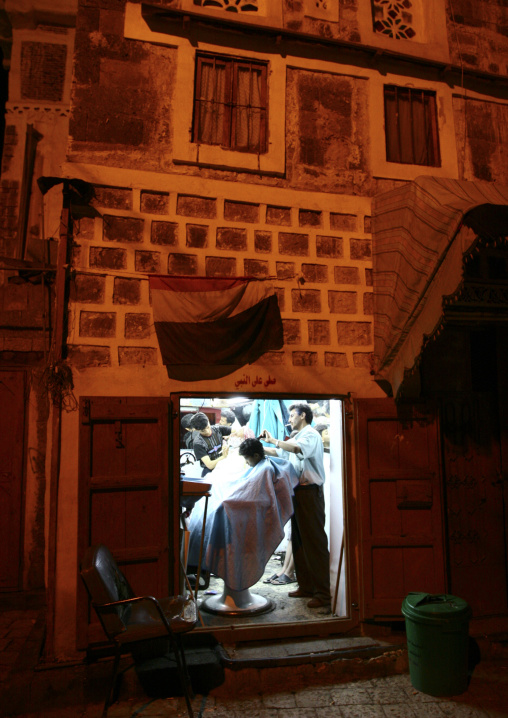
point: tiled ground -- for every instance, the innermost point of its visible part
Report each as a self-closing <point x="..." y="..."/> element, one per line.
<point x="389" y="697"/>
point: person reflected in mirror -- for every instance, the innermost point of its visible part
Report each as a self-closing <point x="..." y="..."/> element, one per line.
<point x="305" y="452"/>
<point x="209" y="444"/>
<point x="324" y="432"/>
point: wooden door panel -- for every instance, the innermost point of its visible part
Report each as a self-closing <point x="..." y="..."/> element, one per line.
<point x="475" y="507"/>
<point x="12" y="429"/>
<point x="124" y="495"/>
<point x="400" y="505"/>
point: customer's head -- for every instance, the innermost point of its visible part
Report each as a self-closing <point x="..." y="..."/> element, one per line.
<point x="252" y="451"/>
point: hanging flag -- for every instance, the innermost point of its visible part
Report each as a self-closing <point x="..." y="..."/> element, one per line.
<point x="209" y="327"/>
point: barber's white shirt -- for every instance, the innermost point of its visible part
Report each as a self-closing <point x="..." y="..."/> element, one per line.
<point x="309" y="464"/>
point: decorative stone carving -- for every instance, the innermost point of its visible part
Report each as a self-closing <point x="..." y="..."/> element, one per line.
<point x="238" y="6"/>
<point x="394" y="18"/>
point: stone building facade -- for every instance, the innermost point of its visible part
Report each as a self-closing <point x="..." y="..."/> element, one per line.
<point x="103" y="91"/>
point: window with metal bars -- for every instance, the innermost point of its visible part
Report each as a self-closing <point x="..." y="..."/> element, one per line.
<point x="411" y="126"/>
<point x="230" y="103"/>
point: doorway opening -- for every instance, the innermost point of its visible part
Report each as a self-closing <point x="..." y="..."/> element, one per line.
<point x="247" y="417"/>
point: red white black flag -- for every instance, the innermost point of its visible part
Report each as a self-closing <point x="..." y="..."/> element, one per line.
<point x="209" y="327"/>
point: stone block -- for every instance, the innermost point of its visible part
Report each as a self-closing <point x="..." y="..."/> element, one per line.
<point x="111" y="22"/>
<point x="354" y="333"/>
<point x="368" y="277"/>
<point x="368" y="303"/>
<point x="315" y="272"/>
<point x="77" y="252"/>
<point x="336" y="359"/>
<point x="294" y="244"/>
<point x="241" y="211"/>
<point x="262" y="242"/>
<point x="327" y="246"/>
<point x="305" y="358"/>
<point x="363" y="360"/>
<point x="155" y="202"/>
<point x="346" y="222"/>
<point x="306" y="300"/>
<point x="186" y="264"/>
<point x="360" y="248"/>
<point x="292" y="331"/>
<point x="105" y="258"/>
<point x="196" y="235"/>
<point x="83" y="357"/>
<point x="138" y="325"/>
<point x="97" y="324"/>
<point x="278" y="215"/>
<point x="42" y="70"/>
<point x="137" y="355"/>
<point x="164" y="233"/>
<point x="271" y="359"/>
<point x="88" y="288"/>
<point x="192" y="206"/>
<point x="309" y="218"/>
<point x="319" y="331"/>
<point x="122" y="229"/>
<point x="220" y="267"/>
<point x="126" y="291"/>
<point x="285" y="270"/>
<point x="231" y="238"/>
<point x="84" y="228"/>
<point x="112" y="198"/>
<point x="281" y="297"/>
<point x="346" y="275"/>
<point x="147" y="262"/>
<point x="342" y="302"/>
<point x="255" y="268"/>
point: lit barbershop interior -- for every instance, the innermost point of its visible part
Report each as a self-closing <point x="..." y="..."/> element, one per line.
<point x="235" y="515"/>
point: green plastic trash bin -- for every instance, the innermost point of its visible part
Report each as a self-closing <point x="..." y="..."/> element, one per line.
<point x="437" y="631"/>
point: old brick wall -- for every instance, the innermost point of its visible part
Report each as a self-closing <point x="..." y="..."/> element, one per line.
<point x="327" y="136"/>
<point x="319" y="262"/>
<point x="24" y="320"/>
<point x="121" y="94"/>
<point x="123" y="111"/>
<point x="478" y="34"/>
<point x="482" y="139"/>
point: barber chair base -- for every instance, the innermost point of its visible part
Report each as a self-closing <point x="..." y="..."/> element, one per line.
<point x="237" y="603"/>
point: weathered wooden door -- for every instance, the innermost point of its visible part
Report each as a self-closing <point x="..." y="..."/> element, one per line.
<point x="124" y="501"/>
<point x="475" y="487"/>
<point x="12" y="429"/>
<point x="400" y="505"/>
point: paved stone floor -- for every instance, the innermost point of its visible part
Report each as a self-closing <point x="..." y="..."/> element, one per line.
<point x="376" y="687"/>
<point x="385" y="697"/>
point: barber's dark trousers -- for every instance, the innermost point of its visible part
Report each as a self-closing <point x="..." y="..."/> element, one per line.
<point x="310" y="543"/>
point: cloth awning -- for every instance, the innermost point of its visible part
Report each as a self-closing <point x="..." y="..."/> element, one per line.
<point x="421" y="231"/>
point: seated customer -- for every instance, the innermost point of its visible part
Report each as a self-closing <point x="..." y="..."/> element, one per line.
<point x="188" y="430"/>
<point x="209" y="446"/>
<point x="246" y="518"/>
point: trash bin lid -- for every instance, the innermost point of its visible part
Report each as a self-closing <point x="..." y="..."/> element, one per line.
<point x="435" y="608"/>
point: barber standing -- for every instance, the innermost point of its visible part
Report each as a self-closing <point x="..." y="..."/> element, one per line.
<point x="310" y="543"/>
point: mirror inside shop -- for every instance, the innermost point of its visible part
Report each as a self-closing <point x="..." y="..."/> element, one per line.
<point x="241" y="461"/>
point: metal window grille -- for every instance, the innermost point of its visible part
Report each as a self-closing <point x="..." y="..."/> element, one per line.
<point x="230" y="103"/>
